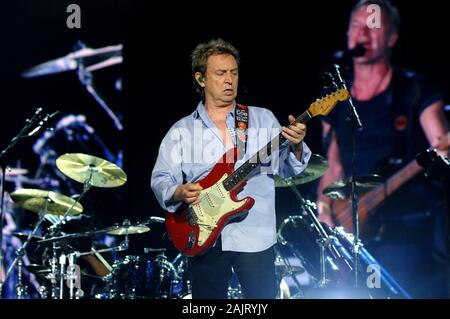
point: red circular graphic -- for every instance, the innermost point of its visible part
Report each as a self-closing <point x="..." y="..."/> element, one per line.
<point x="401" y="123"/>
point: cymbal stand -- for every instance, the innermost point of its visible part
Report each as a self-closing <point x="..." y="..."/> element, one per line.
<point x="287" y="264"/>
<point x="20" y="253"/>
<point x="20" y="289"/>
<point x="62" y="263"/>
<point x="325" y="242"/>
<point x="87" y="79"/>
<point x="86" y="186"/>
<point x="54" y="271"/>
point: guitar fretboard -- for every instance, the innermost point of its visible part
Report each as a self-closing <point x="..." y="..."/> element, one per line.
<point x="261" y="156"/>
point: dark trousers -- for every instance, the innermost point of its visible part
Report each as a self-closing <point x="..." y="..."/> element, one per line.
<point x="211" y="273"/>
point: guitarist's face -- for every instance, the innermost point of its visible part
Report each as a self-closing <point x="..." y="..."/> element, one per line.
<point x="221" y="80"/>
<point x="377" y="39"/>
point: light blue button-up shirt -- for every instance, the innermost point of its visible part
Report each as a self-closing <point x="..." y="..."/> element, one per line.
<point x="192" y="147"/>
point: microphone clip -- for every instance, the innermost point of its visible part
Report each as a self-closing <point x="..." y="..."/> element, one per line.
<point x="44" y="123"/>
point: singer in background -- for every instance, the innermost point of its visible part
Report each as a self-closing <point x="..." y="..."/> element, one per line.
<point x="402" y="115"/>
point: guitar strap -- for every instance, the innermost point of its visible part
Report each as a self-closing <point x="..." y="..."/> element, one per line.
<point x="241" y="126"/>
<point x="404" y="98"/>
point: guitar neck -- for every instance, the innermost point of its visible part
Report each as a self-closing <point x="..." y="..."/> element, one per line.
<point x="368" y="202"/>
<point x="374" y="198"/>
<point x="371" y="201"/>
<point x="261" y="156"/>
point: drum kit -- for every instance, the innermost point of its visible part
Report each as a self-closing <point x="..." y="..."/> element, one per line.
<point x="315" y="258"/>
<point x="144" y="276"/>
<point x="57" y="269"/>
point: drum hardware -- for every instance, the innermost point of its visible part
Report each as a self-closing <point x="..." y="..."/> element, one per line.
<point x="20" y="253"/>
<point x="317" y="166"/>
<point x="137" y="277"/>
<point x="90" y="171"/>
<point x="341" y="189"/>
<point x="42" y="202"/>
<point x="86" y="169"/>
<point x="55" y="204"/>
<point x="337" y="252"/>
<point x="325" y="241"/>
<point x="79" y="60"/>
<point x="352" y="188"/>
<point x="71" y="61"/>
<point x="32" y="126"/>
<point x="128" y="229"/>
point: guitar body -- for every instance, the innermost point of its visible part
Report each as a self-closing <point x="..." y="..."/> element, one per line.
<point x="342" y="215"/>
<point x="193" y="230"/>
<point x="342" y="210"/>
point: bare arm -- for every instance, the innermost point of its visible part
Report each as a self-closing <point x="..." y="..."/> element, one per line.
<point x="335" y="172"/>
<point x="435" y="127"/>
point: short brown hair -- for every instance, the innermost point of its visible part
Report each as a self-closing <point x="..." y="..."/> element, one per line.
<point x="200" y="55"/>
<point x="388" y="8"/>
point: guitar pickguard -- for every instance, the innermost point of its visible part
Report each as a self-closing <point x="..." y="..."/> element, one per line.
<point x="215" y="202"/>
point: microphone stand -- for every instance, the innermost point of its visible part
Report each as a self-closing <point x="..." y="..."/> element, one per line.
<point x="355" y="122"/>
<point x="24" y="132"/>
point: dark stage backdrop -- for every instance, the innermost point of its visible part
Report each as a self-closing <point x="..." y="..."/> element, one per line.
<point x="284" y="45"/>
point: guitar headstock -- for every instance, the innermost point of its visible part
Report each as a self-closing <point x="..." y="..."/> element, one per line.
<point x="326" y="104"/>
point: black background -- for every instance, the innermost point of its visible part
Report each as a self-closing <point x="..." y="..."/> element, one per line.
<point x="283" y="44"/>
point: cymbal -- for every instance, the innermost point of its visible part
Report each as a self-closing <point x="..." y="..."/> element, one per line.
<point x="38" y="269"/>
<point x="108" y="56"/>
<point x="282" y="270"/>
<point x="317" y="166"/>
<point x="24" y="237"/>
<point x="37" y="201"/>
<point x="131" y="229"/>
<point x="82" y="167"/>
<point x="341" y="189"/>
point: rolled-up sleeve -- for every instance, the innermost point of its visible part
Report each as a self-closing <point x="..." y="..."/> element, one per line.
<point x="167" y="173"/>
<point x="288" y="165"/>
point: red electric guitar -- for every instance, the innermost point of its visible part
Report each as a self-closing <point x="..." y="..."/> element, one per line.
<point x="195" y="228"/>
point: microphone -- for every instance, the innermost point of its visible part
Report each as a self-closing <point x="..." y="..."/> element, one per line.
<point x="356" y="52"/>
<point x="42" y="124"/>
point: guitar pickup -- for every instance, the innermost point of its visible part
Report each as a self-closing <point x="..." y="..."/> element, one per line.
<point x="191" y="216"/>
<point x="191" y="240"/>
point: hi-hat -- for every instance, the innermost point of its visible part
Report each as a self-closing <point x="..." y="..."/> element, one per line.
<point x="286" y="268"/>
<point x="341" y="189"/>
<point x="107" y="56"/>
<point x="131" y="229"/>
<point x="89" y="169"/>
<point x="37" y="201"/>
<point x="317" y="166"/>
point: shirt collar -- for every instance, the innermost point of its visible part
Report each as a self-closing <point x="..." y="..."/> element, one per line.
<point x="201" y="113"/>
